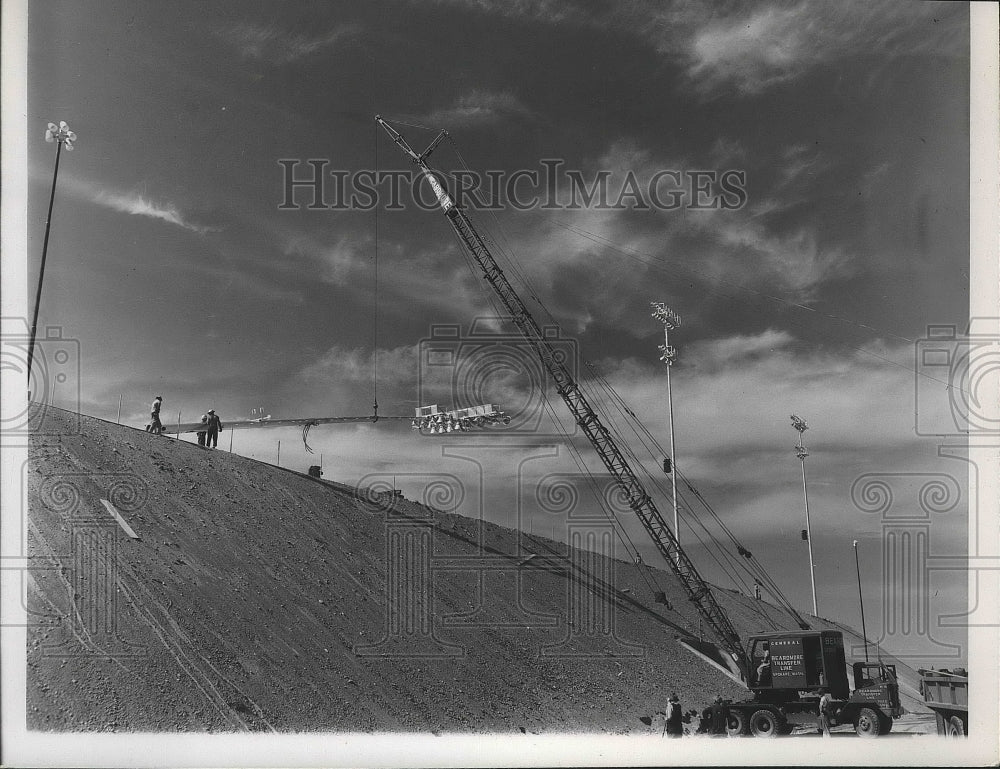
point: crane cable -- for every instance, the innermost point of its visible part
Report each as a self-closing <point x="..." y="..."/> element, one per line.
<point x="375" y="302"/>
<point x="760" y="571"/>
<point x="516" y="271"/>
<point x="575" y="454"/>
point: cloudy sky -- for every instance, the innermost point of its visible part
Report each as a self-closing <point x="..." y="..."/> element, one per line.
<point x="173" y="265"/>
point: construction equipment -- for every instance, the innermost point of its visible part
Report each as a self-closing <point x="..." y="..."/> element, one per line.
<point x="435" y="421"/>
<point x="791" y="670"/>
<point x="780" y="701"/>
<point x="946" y="692"/>
<point x="586" y="417"/>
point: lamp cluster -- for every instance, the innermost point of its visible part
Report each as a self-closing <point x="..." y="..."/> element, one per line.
<point x="436" y="421"/>
<point x="665" y="315"/>
<point x="60" y="133"/>
<point x="800" y="424"/>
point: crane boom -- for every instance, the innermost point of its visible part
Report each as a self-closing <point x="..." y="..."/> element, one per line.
<point x="698" y="591"/>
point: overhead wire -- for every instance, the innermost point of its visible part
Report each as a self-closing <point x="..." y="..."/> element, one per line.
<point x="620" y="532"/>
<point x="512" y="265"/>
<point x="514" y="268"/>
<point x="376" y="295"/>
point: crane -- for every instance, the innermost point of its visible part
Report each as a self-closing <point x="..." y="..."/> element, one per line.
<point x="698" y="591"/>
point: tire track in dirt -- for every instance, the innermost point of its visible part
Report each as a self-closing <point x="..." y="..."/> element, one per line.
<point x="183" y="651"/>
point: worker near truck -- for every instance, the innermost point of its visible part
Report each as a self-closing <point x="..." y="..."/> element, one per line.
<point x="714" y="718"/>
<point x="674" y="724"/>
<point x="825" y="711"/>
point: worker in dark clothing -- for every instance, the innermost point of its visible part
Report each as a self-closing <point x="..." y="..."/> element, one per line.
<point x="705" y="722"/>
<point x="203" y="432"/>
<point x="674" y="725"/>
<point x="214" y="425"/>
<point x="720" y="716"/>
<point x="155" y="426"/>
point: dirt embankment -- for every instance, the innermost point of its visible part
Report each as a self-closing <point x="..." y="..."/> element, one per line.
<point x="255" y="598"/>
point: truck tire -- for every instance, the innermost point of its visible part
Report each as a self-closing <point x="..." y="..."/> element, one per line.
<point x="736" y="723"/>
<point x="868" y="723"/>
<point x="956" y="727"/>
<point x="765" y="723"/>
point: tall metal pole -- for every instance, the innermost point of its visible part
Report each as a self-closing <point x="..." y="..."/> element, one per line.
<point x="801" y="452"/>
<point x="861" y="600"/>
<point x="119" y="420"/>
<point x="670" y="320"/>
<point x="60" y="135"/>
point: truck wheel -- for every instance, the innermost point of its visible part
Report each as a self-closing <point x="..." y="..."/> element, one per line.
<point x="868" y="723"/>
<point x="736" y="723"/>
<point x="765" y="723"/>
<point x="956" y="727"/>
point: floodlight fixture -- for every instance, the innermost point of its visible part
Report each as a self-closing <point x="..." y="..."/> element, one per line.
<point x="63" y="137"/>
<point x="665" y="315"/>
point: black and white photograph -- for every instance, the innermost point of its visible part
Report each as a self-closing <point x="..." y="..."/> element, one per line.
<point x="482" y="383"/>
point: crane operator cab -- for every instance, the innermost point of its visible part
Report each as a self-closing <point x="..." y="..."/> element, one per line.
<point x="798" y="662"/>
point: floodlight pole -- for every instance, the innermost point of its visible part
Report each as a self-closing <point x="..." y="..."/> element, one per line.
<point x="861" y="599"/>
<point x="60" y="134"/>
<point x="801" y="452"/>
<point x="670" y="320"/>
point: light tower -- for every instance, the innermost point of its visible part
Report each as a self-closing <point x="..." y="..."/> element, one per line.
<point x="801" y="452"/>
<point x="62" y="136"/>
<point x="861" y="599"/>
<point x="670" y="321"/>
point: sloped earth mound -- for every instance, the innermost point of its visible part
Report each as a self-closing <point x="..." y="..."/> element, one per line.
<point x="256" y="598"/>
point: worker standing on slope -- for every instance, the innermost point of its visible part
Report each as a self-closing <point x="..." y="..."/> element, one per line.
<point x="155" y="426"/>
<point x="214" y="425"/>
<point x="203" y="431"/>
<point x="674" y="725"/>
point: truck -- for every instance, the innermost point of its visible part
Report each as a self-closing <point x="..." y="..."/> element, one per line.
<point x="789" y="670"/>
<point x="808" y="660"/>
<point x="946" y="692"/>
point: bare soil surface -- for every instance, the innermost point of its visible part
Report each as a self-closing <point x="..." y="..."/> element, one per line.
<point x="256" y="599"/>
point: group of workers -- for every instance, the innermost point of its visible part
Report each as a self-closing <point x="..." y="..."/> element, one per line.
<point x="714" y="718"/>
<point x="208" y="435"/>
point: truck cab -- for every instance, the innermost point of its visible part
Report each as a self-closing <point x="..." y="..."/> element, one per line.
<point x="788" y="672"/>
